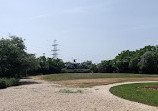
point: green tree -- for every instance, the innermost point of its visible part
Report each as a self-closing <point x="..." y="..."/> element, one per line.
<point x="31" y="64"/>
<point x="50" y="65"/>
<point x="89" y="65"/>
<point x="106" y="66"/>
<point x="13" y="57"/>
<point x="44" y="66"/>
<point x="136" y="58"/>
<point x="55" y="65"/>
<point x="149" y="62"/>
<point x="121" y="62"/>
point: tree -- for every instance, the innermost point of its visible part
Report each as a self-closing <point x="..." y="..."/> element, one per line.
<point x="44" y="66"/>
<point x="149" y="62"/>
<point x="13" y="57"/>
<point x="106" y="66"/>
<point x="121" y="62"/>
<point x="55" y="65"/>
<point x="50" y="65"/>
<point x="31" y="64"/>
<point x="133" y="64"/>
<point x="89" y="65"/>
<point x="136" y="58"/>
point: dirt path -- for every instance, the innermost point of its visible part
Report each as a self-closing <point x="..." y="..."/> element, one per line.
<point x="37" y="95"/>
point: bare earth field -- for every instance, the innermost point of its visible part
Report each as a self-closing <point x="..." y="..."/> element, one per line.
<point x="100" y="81"/>
<point x="38" y="95"/>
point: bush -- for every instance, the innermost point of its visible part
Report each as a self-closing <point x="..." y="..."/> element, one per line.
<point x="11" y="82"/>
<point x="7" y="82"/>
<point x="2" y="84"/>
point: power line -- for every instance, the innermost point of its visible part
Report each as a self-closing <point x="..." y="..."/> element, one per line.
<point x="55" y="49"/>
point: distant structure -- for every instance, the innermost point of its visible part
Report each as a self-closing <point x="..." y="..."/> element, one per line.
<point x="74" y="60"/>
<point x="55" y="50"/>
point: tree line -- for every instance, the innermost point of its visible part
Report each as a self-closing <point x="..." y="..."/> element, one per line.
<point x="16" y="62"/>
<point x="144" y="60"/>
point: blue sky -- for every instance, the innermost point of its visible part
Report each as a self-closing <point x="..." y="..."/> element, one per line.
<point x="84" y="29"/>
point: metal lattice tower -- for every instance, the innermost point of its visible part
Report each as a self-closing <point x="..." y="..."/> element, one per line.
<point x="55" y="50"/>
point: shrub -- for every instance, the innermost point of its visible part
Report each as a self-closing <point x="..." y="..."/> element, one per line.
<point x="11" y="82"/>
<point x="7" y="82"/>
<point x="2" y="84"/>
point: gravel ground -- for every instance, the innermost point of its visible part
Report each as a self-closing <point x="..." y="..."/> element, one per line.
<point x="37" y="95"/>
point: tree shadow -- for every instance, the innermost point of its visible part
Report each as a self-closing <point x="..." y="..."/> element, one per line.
<point x="25" y="78"/>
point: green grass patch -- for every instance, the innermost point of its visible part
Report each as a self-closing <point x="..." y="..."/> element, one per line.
<point x="74" y="76"/>
<point x="70" y="91"/>
<point x="7" y="82"/>
<point x="133" y="93"/>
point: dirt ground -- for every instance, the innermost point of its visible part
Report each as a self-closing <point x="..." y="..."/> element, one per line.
<point x="38" y="95"/>
<point x="101" y="81"/>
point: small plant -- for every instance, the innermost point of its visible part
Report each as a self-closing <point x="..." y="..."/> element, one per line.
<point x="69" y="91"/>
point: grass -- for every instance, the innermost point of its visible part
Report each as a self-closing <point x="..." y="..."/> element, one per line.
<point x="84" y="84"/>
<point x="74" y="76"/>
<point x="69" y="91"/>
<point x="133" y="93"/>
<point x="84" y="80"/>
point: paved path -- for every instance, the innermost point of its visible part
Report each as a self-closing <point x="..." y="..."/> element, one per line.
<point x="35" y="95"/>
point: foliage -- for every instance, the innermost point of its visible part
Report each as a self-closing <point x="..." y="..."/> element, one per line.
<point x="134" y="93"/>
<point x="137" y="57"/>
<point x="106" y="67"/>
<point x="11" y="81"/>
<point x="144" y="60"/>
<point x="149" y="62"/>
<point x="7" y="82"/>
<point x="84" y="67"/>
<point x="2" y="84"/>
<point x="49" y="65"/>
<point x="14" y="60"/>
<point x="133" y="64"/>
<point x="43" y="65"/>
<point x="121" y="62"/>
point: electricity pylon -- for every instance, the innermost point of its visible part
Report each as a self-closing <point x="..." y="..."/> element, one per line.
<point x="55" y="50"/>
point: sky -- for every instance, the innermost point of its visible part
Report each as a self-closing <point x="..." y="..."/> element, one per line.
<point x="93" y="30"/>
